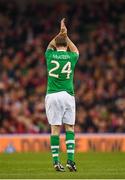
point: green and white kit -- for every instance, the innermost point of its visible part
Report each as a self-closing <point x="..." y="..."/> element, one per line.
<point x="60" y="101"/>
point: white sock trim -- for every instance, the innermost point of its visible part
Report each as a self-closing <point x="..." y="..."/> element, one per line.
<point x="70" y="142"/>
<point x="70" y="151"/>
<point x="53" y="147"/>
<point x="55" y="155"/>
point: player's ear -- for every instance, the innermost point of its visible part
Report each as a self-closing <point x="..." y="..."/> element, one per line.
<point x="54" y="48"/>
<point x="68" y="48"/>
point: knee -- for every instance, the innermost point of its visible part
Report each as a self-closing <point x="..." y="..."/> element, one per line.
<point x="55" y="130"/>
<point x="69" y="127"/>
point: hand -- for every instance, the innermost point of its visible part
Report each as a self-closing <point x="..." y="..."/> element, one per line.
<point x="63" y="23"/>
<point x="63" y="28"/>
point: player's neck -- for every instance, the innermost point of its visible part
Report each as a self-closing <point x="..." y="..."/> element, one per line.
<point x="61" y="49"/>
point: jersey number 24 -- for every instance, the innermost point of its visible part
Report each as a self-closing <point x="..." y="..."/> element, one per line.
<point x="66" y="69"/>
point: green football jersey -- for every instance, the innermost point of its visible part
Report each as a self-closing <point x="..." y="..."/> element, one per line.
<point x="60" y="69"/>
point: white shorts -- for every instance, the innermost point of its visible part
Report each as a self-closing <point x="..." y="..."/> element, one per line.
<point x="60" y="108"/>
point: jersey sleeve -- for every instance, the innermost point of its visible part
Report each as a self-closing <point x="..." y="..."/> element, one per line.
<point x="48" y="52"/>
<point x="75" y="56"/>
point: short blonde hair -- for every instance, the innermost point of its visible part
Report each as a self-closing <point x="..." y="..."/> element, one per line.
<point x="61" y="41"/>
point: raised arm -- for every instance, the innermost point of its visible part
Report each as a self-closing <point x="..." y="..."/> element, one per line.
<point x="63" y="31"/>
<point x="52" y="44"/>
<point x="70" y="44"/>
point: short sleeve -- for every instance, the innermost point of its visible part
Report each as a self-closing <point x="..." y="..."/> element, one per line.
<point x="75" y="56"/>
<point x="48" y="52"/>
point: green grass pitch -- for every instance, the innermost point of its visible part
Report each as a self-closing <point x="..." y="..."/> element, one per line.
<point x="39" y="165"/>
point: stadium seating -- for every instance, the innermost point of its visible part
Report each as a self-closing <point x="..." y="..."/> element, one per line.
<point x="97" y="28"/>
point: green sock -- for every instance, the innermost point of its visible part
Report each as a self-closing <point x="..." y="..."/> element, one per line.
<point x="70" y="145"/>
<point x="55" y="147"/>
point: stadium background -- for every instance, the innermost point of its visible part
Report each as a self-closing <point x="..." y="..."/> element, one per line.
<point x="98" y="29"/>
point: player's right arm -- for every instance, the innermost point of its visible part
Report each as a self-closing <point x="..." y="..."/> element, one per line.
<point x="70" y="44"/>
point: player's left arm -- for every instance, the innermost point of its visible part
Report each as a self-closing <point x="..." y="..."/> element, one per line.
<point x="52" y="44"/>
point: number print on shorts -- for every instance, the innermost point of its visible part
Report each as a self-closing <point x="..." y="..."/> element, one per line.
<point x="66" y="69"/>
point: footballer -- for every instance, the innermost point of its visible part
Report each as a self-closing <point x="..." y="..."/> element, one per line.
<point x="61" y="57"/>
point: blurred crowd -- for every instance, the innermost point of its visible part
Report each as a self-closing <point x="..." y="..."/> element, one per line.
<point x="97" y="28"/>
